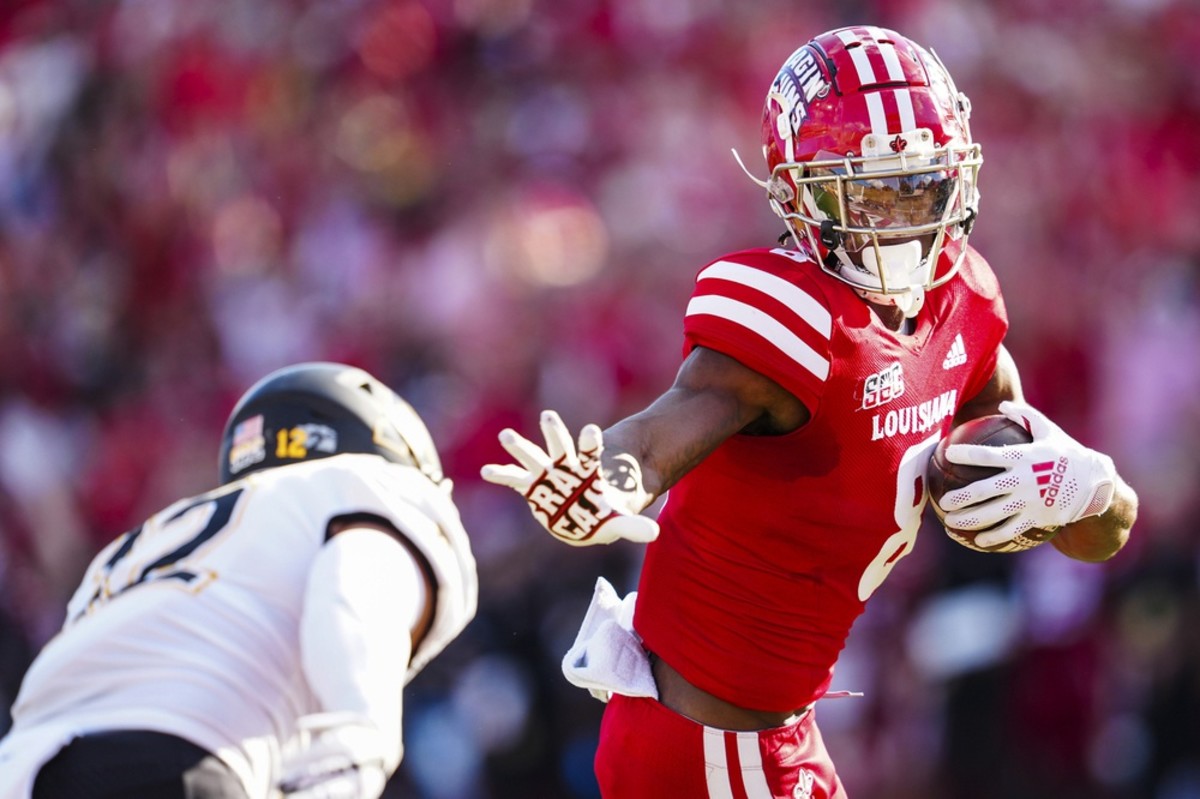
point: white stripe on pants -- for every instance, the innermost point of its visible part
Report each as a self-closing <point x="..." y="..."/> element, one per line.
<point x="749" y="767"/>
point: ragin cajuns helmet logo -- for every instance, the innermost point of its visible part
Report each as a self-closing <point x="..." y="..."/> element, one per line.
<point x="798" y="83"/>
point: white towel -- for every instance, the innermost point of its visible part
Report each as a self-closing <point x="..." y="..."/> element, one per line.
<point x="607" y="657"/>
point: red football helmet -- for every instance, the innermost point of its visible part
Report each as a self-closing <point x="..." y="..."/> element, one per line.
<point x="872" y="163"/>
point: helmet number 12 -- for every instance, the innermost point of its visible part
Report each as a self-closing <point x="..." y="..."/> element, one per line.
<point x="291" y="443"/>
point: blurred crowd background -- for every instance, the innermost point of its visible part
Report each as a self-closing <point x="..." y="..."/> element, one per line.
<point x="499" y="206"/>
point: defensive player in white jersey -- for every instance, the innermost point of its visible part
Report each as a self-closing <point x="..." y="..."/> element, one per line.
<point x="816" y="380"/>
<point x="255" y="641"/>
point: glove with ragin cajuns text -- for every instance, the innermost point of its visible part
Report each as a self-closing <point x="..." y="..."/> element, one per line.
<point x="566" y="491"/>
<point x="341" y="756"/>
<point x="1048" y="483"/>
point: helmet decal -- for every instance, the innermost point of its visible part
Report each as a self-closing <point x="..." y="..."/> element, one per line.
<point x="798" y="83"/>
<point x="873" y="53"/>
<point x="302" y="440"/>
<point x="248" y="445"/>
<point x="318" y="410"/>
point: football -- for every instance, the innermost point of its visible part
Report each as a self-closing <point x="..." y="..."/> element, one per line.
<point x="943" y="476"/>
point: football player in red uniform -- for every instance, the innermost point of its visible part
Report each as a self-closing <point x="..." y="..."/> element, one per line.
<point x="816" y="380"/>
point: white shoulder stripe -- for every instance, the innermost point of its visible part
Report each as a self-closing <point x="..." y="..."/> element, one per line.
<point x="797" y="299"/>
<point x="762" y="324"/>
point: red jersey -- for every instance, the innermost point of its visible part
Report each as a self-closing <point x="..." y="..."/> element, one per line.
<point x="771" y="546"/>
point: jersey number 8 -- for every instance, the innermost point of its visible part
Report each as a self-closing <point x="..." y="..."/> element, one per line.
<point x="910" y="503"/>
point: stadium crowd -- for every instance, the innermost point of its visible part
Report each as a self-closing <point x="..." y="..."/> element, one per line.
<point x="498" y="206"/>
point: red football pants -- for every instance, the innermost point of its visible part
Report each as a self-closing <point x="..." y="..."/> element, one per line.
<point x="648" y="751"/>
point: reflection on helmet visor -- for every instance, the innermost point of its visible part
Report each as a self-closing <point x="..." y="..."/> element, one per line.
<point x="840" y="206"/>
<point x="882" y="203"/>
<point x="897" y="198"/>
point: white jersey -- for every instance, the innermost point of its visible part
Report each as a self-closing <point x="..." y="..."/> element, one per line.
<point x="189" y="624"/>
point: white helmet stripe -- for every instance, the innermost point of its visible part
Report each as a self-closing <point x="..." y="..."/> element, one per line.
<point x="895" y="72"/>
<point x="862" y="63"/>
<point x="848" y="37"/>
<point x="875" y="110"/>
<point x="908" y="117"/>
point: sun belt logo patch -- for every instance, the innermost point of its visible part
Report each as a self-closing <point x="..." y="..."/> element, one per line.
<point x="957" y="355"/>
<point x="883" y="386"/>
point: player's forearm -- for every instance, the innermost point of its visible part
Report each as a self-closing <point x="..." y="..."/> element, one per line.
<point x="672" y="436"/>
<point x="1098" y="538"/>
<point x="355" y="628"/>
<point x="714" y="397"/>
<point x="623" y="446"/>
<point x="659" y="469"/>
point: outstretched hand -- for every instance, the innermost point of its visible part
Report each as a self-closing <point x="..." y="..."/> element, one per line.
<point x="566" y="491"/>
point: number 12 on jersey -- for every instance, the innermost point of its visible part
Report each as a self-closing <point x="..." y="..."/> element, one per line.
<point x="160" y="549"/>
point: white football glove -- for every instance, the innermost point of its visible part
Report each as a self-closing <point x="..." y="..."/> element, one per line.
<point x="1046" y="484"/>
<point x="565" y="490"/>
<point x="341" y="756"/>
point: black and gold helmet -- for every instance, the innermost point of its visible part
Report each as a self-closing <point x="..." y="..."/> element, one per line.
<point x="317" y="410"/>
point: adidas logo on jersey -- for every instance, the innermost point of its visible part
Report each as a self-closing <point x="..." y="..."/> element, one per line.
<point x="957" y="355"/>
